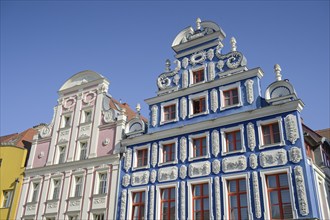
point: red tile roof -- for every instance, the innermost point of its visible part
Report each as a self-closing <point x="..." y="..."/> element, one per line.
<point x="130" y="113"/>
<point x="18" y="138"/>
<point x="324" y="133"/>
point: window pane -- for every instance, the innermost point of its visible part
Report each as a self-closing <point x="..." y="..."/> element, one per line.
<point x="233" y="201"/>
<point x="232" y="186"/>
<point x="172" y="193"/>
<point x="197" y="205"/>
<point x="165" y="210"/>
<point x="206" y="215"/>
<point x="143" y="195"/>
<point x="273" y="197"/>
<point x="271" y="181"/>
<point x="283" y="180"/>
<point x="235" y="100"/>
<point x="136" y="198"/>
<point x="206" y="204"/>
<point x="287" y="211"/>
<point x="198" y="215"/>
<point x="243" y="200"/>
<point x="234" y="214"/>
<point x="276" y="212"/>
<point x="285" y="194"/>
<point x="135" y="212"/>
<point x="244" y="214"/>
<point x="165" y="194"/>
<point x="242" y="185"/>
<point x="205" y="189"/>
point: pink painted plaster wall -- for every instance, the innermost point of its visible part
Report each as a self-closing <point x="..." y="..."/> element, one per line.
<point x="102" y="149"/>
<point x="41" y="153"/>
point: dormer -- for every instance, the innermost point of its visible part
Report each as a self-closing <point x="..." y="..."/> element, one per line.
<point x="136" y="126"/>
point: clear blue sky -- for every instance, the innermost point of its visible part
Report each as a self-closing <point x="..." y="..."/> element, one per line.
<point x="43" y="43"/>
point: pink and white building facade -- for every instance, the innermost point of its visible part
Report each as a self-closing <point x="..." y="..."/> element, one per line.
<point x="72" y="171"/>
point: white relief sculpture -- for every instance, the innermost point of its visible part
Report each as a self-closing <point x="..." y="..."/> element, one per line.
<point x="301" y="191"/>
<point x="295" y="155"/>
<point x="167" y="174"/>
<point x="291" y="128"/>
<point x="153" y="176"/>
<point x="232" y="164"/>
<point x="74" y="203"/>
<point x="128" y="160"/>
<point x="152" y="201"/>
<point x="183" y="200"/>
<point x="253" y="161"/>
<point x="198" y="58"/>
<point x="273" y="158"/>
<point x="183" y="149"/>
<point x="217" y="198"/>
<point x="176" y="79"/>
<point x="108" y="116"/>
<point x="45" y="131"/>
<point x="106" y="142"/>
<point x="211" y="71"/>
<point x="185" y="79"/>
<point x="89" y="97"/>
<point x="185" y="62"/>
<point x="216" y="167"/>
<point x="41" y="155"/>
<point x="154" y="115"/>
<point x="123" y="204"/>
<point x="220" y="65"/>
<point x="69" y="102"/>
<point x="183" y="172"/>
<point x="140" y="178"/>
<point x="214" y="100"/>
<point x="99" y="201"/>
<point x="183" y="105"/>
<point x="199" y="169"/>
<point x="102" y="89"/>
<point x="249" y="91"/>
<point x="215" y="143"/>
<point x="256" y="194"/>
<point x="210" y="54"/>
<point x="251" y="136"/>
<point x="154" y="154"/>
<point x="126" y="180"/>
<point x="52" y="205"/>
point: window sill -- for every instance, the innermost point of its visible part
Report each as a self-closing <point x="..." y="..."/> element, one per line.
<point x="168" y="163"/>
<point x="198" y="158"/>
<point x="169" y="121"/>
<point x="199" y="114"/>
<point x="278" y="144"/>
<point x="196" y="84"/>
<point x="140" y="168"/>
<point x="222" y="108"/>
<point x="233" y="152"/>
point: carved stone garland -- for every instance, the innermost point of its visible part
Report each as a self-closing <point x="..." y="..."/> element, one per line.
<point x="217" y="198"/>
<point x="183" y="112"/>
<point x="251" y="136"/>
<point x="183" y="172"/>
<point x="291" y="128"/>
<point x="301" y="191"/>
<point x="211" y="71"/>
<point x="295" y="154"/>
<point x="256" y="194"/>
<point x="153" y="176"/>
<point x="183" y="149"/>
<point x="154" y="115"/>
<point x="214" y="100"/>
<point x="152" y="201"/>
<point x="216" y="167"/>
<point x="128" y="160"/>
<point x="249" y="91"/>
<point x="185" y="79"/>
<point x="253" y="161"/>
<point x="123" y="204"/>
<point x="215" y="143"/>
<point x="154" y="154"/>
<point x="183" y="200"/>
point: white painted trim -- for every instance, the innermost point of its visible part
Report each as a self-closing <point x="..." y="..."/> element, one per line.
<point x="130" y="199"/>
<point x="191" y="75"/>
<point x="224" y="180"/>
<point x="263" y="174"/>
<point x="135" y="149"/>
<point x="229" y="87"/>
<point x="322" y="194"/>
<point x="98" y="172"/>
<point x="191" y="98"/>
<point x="260" y="135"/>
<point x="165" y="104"/>
<point x="223" y="132"/>
<point x="158" y="198"/>
<point x="191" y="147"/>
<point x="160" y="154"/>
<point x="83" y="115"/>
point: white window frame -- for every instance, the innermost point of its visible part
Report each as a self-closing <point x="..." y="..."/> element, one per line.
<point x="58" y="157"/>
<point x="224" y="180"/>
<point x="190" y="183"/>
<point x="80" y="149"/>
<point x="165" y="104"/>
<point x="83" y="116"/>
<point x="322" y="195"/>
<point x="191" y="98"/>
<point x="191" y="147"/>
<point x="135" y="150"/>
<point x="63" y="120"/>
<point x="7" y="197"/>
<point x="98" y="213"/>
<point x="74" y="189"/>
<point x="52" y="188"/>
<point x="229" y="87"/>
<point x="160" y="155"/>
<point x="33" y="190"/>
<point x="223" y="132"/>
<point x="159" y="188"/>
<point x="191" y="74"/>
<point x="130" y="200"/>
<point x="260" y="134"/>
<point x="73" y="216"/>
<point x="98" y="181"/>
<point x="263" y="174"/>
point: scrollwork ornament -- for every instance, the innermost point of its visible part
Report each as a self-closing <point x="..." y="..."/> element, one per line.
<point x="185" y="79"/>
<point x="249" y="91"/>
<point x="214" y="100"/>
<point x="123" y="204"/>
<point x="217" y="198"/>
<point x="220" y="65"/>
<point x="185" y="62"/>
<point x="153" y="176"/>
<point x="154" y="154"/>
<point x="126" y="180"/>
<point x="183" y="199"/>
<point x="256" y="194"/>
<point x="183" y="112"/>
<point x="45" y="132"/>
<point x="301" y="191"/>
<point x="215" y="143"/>
<point x="253" y="161"/>
<point x="235" y="163"/>
<point x="140" y="178"/>
<point x="183" y="149"/>
<point x="210" y="54"/>
<point x="183" y="172"/>
<point x="128" y="160"/>
<point x="216" y="167"/>
<point x="198" y="58"/>
<point x="154" y="115"/>
<point x="167" y="174"/>
<point x="108" y="116"/>
<point x="295" y="155"/>
<point x="251" y="136"/>
<point x="199" y="169"/>
<point x="152" y="201"/>
<point x="211" y="71"/>
<point x="291" y="128"/>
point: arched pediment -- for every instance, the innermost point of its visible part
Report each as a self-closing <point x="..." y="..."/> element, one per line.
<point x="81" y="78"/>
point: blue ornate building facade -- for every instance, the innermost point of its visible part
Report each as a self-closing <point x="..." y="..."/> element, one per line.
<point x="215" y="148"/>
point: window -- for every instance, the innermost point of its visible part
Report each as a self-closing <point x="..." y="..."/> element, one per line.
<point x="78" y="186"/>
<point x="230" y="96"/>
<point x="199" y="146"/>
<point x="102" y="183"/>
<point x="279" y="196"/>
<point x="169" y="112"/>
<point x="61" y="154"/>
<point x="232" y="140"/>
<point x="73" y="217"/>
<point x="142" y="157"/>
<point x="7" y="196"/>
<point x="270" y="133"/>
<point x="167" y="203"/>
<point x="237" y="199"/>
<point x="309" y="151"/>
<point x="198" y="76"/>
<point x="168" y="152"/>
<point x="35" y="192"/>
<point x="138" y="204"/>
<point x="87" y="117"/>
<point x="56" y="189"/>
<point x="98" y="216"/>
<point x="198" y="104"/>
<point x="83" y="151"/>
<point x="201" y="207"/>
<point x="66" y="121"/>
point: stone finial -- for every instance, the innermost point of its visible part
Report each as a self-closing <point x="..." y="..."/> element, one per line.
<point x="167" y="65"/>
<point x="138" y="108"/>
<point x="198" y="23"/>
<point x="277" y="70"/>
<point x="233" y="44"/>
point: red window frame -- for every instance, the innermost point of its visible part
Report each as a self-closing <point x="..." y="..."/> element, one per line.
<point x="272" y="134"/>
<point x="199" y="147"/>
<point x="198" y="76"/>
<point x="235" y="140"/>
<point x="142" y="157"/>
<point x="237" y="193"/>
<point x="230" y="97"/>
<point x="200" y="198"/>
<point x="169" y="112"/>
<point x="199" y="105"/>
<point x="168" y="201"/>
<point x="138" y="205"/>
<point x="309" y="151"/>
<point x="277" y="189"/>
<point x="168" y="152"/>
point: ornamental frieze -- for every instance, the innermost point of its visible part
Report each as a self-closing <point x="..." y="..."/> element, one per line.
<point x="183" y="149"/>
<point x="301" y="191"/>
<point x="154" y="154"/>
<point x="123" y="204"/>
<point x="216" y="167"/>
<point x="126" y="180"/>
<point x="249" y="91"/>
<point x="199" y="169"/>
<point x="153" y="176"/>
<point x="233" y="164"/>
<point x="128" y="160"/>
<point x="167" y="174"/>
<point x="183" y="108"/>
<point x="253" y="161"/>
<point x="140" y="178"/>
<point x="154" y="115"/>
<point x="214" y="100"/>
<point x="183" y="172"/>
<point x="273" y="158"/>
<point x="295" y="155"/>
<point x="183" y="199"/>
<point x="256" y="194"/>
<point x="251" y="136"/>
<point x="215" y="143"/>
<point x="291" y="128"/>
<point x="217" y="198"/>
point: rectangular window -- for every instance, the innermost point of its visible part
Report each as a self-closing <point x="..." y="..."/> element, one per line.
<point x="230" y="97"/>
<point x="61" y="154"/>
<point x="309" y="151"/>
<point x="199" y="146"/>
<point x="83" y="150"/>
<point x="237" y="199"/>
<point x="73" y="217"/>
<point x="87" y="116"/>
<point x="99" y="216"/>
<point x="199" y="105"/>
<point x="198" y="76"/>
<point x="279" y="196"/>
<point x="168" y="152"/>
<point x="167" y="203"/>
<point x="233" y="141"/>
<point x="66" y="121"/>
<point x="271" y="133"/>
<point x="142" y="157"/>
<point x="138" y="205"/>
<point x="56" y="189"/>
<point x="169" y="112"/>
<point x="35" y="192"/>
<point x="78" y="186"/>
<point x="201" y="210"/>
<point x="102" y="183"/>
<point x="7" y="196"/>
